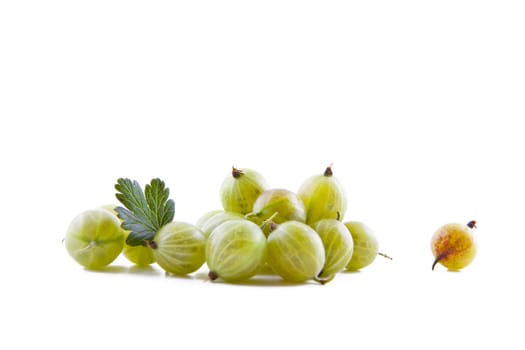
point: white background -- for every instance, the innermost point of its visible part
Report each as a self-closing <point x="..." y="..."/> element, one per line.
<point x="416" y="103"/>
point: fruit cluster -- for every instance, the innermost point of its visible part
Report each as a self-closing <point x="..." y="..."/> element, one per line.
<point x="298" y="235"/>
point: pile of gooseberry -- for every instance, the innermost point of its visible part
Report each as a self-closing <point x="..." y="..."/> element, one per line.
<point x="298" y="236"/>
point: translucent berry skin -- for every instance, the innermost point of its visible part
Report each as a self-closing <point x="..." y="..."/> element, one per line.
<point x="240" y="190"/>
<point x="206" y="216"/>
<point x="295" y="251"/>
<point x="324" y="197"/>
<point x="138" y="255"/>
<point x="212" y="222"/>
<point x="235" y="250"/>
<point x="94" y="239"/>
<point x="366" y="245"/>
<point x="285" y="204"/>
<point x="454" y="246"/>
<point x="179" y="248"/>
<point x="338" y="245"/>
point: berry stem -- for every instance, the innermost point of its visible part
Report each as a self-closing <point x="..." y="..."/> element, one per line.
<point x="250" y="215"/>
<point x="269" y="222"/>
<point x="439" y="258"/>
<point x="471" y="224"/>
<point x="236" y="173"/>
<point x="328" y="171"/>
<point x="384" y="256"/>
<point x="435" y="262"/>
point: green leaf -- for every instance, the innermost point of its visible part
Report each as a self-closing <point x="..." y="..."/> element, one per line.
<point x="162" y="208"/>
<point x="146" y="211"/>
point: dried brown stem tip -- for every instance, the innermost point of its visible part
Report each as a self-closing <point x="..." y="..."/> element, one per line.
<point x="328" y="171"/>
<point x="236" y="173"/>
<point x="212" y="275"/>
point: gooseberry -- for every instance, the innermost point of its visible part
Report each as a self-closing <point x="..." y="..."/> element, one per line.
<point x="295" y="251"/>
<point x="239" y="190"/>
<point x="366" y="245"/>
<point x="94" y="238"/>
<point x="179" y="248"/>
<point x="454" y="245"/>
<point x="235" y="250"/>
<point x="280" y="205"/>
<point x="208" y="225"/>
<point x="338" y="246"/>
<point x="323" y="196"/>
